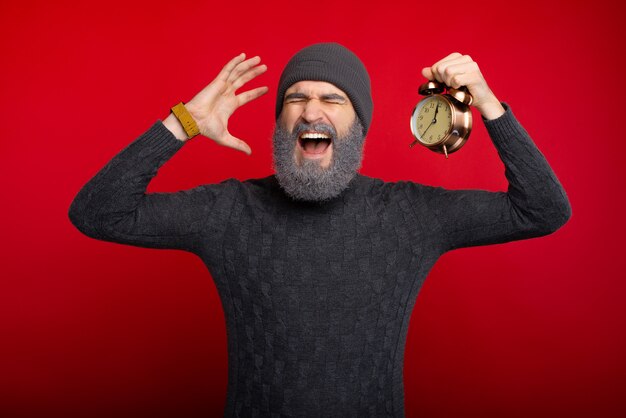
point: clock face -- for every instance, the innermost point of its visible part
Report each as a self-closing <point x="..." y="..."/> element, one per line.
<point x="432" y="119"/>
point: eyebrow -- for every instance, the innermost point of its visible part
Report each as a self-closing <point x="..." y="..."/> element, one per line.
<point x="330" y="96"/>
<point x="333" y="96"/>
<point x="296" y="96"/>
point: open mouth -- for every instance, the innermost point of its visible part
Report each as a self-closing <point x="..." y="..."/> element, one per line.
<point x="314" y="142"/>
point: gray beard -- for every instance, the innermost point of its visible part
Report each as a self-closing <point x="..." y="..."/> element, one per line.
<point x="310" y="182"/>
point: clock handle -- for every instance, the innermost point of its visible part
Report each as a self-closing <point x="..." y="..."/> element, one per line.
<point x="461" y="94"/>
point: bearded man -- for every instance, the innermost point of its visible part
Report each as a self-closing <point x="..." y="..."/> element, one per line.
<point x="317" y="267"/>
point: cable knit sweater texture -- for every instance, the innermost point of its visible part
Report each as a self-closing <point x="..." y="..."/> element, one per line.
<point x="317" y="297"/>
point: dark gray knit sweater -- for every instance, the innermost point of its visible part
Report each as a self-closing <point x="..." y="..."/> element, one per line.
<point x="317" y="297"/>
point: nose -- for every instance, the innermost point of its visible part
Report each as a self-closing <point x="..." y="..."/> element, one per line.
<point x="313" y="111"/>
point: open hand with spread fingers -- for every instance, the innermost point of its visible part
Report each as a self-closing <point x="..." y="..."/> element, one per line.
<point x="458" y="70"/>
<point x="212" y="106"/>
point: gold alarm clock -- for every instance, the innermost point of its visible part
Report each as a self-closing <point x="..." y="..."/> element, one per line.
<point x="442" y="121"/>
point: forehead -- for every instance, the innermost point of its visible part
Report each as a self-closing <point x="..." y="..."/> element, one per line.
<point x="315" y="88"/>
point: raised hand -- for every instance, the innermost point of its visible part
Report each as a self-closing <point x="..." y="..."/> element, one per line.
<point x="212" y="106"/>
<point x="458" y="70"/>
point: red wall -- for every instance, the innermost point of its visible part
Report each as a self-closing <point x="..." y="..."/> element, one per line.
<point x="93" y="329"/>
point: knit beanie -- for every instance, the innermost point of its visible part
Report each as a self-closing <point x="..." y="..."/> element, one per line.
<point x="334" y="64"/>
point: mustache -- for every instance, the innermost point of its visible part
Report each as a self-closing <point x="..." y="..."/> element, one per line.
<point x="322" y="128"/>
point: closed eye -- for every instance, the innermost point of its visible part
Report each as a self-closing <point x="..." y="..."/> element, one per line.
<point x="296" y="98"/>
<point x="332" y="98"/>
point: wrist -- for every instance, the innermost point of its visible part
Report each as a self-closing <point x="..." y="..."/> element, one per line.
<point x="492" y="109"/>
<point x="174" y="126"/>
<point x="191" y="109"/>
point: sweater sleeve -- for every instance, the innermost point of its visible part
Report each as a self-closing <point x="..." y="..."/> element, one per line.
<point x="535" y="203"/>
<point x="114" y="206"/>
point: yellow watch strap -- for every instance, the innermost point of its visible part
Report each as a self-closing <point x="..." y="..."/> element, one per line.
<point x="185" y="119"/>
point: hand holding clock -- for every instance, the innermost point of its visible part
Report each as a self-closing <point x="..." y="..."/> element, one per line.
<point x="458" y="70"/>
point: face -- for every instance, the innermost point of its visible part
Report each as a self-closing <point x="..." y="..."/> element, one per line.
<point x="318" y="142"/>
<point x="310" y="103"/>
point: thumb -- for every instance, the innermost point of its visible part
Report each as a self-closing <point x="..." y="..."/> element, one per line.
<point x="238" y="144"/>
<point x="428" y="73"/>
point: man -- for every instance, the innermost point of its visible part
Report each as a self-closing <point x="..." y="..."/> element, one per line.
<point x="317" y="267"/>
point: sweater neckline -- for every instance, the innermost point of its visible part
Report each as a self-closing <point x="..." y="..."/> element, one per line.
<point x="343" y="198"/>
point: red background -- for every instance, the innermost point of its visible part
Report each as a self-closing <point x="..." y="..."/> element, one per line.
<point x="93" y="329"/>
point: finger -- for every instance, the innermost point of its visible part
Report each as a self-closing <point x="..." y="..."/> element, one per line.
<point x="249" y="75"/>
<point x="455" y="75"/>
<point x="458" y="80"/>
<point x="434" y="73"/>
<point x="427" y="72"/>
<point x="441" y="69"/>
<point x="242" y="67"/>
<point x="250" y="95"/>
<point x="230" y="66"/>
<point x="434" y="68"/>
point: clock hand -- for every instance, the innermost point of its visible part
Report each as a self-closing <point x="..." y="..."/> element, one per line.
<point x="433" y="121"/>
<point x="428" y="127"/>
<point x="423" y="133"/>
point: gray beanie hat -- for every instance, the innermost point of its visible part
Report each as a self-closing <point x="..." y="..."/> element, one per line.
<point x="334" y="64"/>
